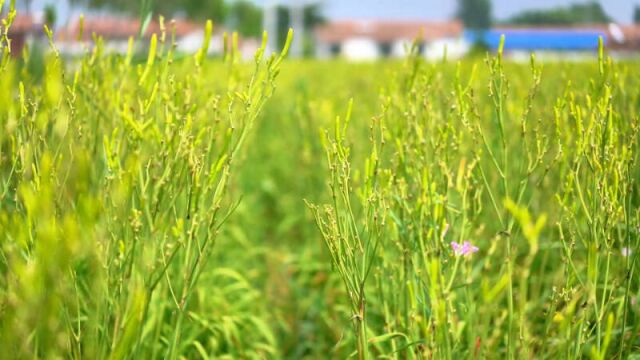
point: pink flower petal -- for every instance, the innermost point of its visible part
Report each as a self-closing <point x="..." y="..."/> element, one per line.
<point x="457" y="248"/>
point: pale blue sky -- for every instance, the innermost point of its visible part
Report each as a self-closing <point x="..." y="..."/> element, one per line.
<point x="621" y="10"/>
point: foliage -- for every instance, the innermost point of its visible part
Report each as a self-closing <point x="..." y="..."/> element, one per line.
<point x="246" y="18"/>
<point x="351" y="241"/>
<point x="573" y="14"/>
<point x="50" y="15"/>
<point x="110" y="205"/>
<point x="475" y="14"/>
<point x="636" y="14"/>
<point x="475" y="165"/>
<point x="215" y="10"/>
<point x="241" y="15"/>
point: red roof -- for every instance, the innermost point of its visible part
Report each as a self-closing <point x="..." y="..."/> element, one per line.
<point x="630" y="39"/>
<point x="386" y="31"/>
<point x="112" y="27"/>
<point x="23" y="24"/>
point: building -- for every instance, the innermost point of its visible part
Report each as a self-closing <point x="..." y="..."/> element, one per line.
<point x="23" y="30"/>
<point x="116" y="31"/>
<point x="566" y="43"/>
<point x="623" y="40"/>
<point x="371" y="39"/>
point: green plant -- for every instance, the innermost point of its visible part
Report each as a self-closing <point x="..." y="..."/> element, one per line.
<point x="352" y="231"/>
<point x="154" y="208"/>
<point x="112" y="204"/>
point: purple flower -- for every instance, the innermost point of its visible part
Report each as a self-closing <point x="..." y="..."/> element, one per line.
<point x="464" y="249"/>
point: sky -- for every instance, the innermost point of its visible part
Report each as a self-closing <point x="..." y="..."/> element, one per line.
<point x="620" y="10"/>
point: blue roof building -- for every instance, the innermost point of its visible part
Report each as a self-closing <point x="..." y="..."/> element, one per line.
<point x="523" y="39"/>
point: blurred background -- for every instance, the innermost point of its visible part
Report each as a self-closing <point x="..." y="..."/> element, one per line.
<point x="350" y="29"/>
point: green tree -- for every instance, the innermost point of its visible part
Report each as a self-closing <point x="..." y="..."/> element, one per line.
<point x="245" y="17"/>
<point x="242" y="15"/>
<point x="636" y="14"/>
<point x="574" y="14"/>
<point x="50" y="15"/>
<point x="195" y="9"/>
<point x="475" y="14"/>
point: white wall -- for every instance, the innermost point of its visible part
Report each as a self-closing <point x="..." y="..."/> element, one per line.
<point x="75" y="48"/>
<point x="365" y="49"/>
<point x="192" y="42"/>
<point x="455" y="47"/>
<point x="360" y="49"/>
<point x="188" y="44"/>
<point x="248" y="48"/>
<point x="400" y="48"/>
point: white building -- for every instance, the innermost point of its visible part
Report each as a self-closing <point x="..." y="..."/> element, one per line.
<point x="116" y="31"/>
<point x="371" y="40"/>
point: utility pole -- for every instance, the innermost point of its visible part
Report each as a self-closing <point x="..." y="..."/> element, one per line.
<point x="297" y="23"/>
<point x="270" y="23"/>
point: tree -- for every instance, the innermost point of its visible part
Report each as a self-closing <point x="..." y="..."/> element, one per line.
<point x="241" y="15"/>
<point x="50" y="15"/>
<point x="475" y="14"/>
<point x="195" y="9"/>
<point x="636" y="14"/>
<point x="245" y="18"/>
<point x="574" y="14"/>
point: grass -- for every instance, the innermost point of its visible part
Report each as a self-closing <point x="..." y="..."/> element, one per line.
<point x="176" y="208"/>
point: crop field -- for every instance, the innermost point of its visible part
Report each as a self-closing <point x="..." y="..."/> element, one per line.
<point x="185" y="207"/>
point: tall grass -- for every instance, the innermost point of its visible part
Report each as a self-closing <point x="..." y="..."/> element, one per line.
<point x="156" y="209"/>
<point x="114" y="189"/>
<point x="545" y="189"/>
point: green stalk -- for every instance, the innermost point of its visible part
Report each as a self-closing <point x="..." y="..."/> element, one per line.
<point x="363" y="351"/>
